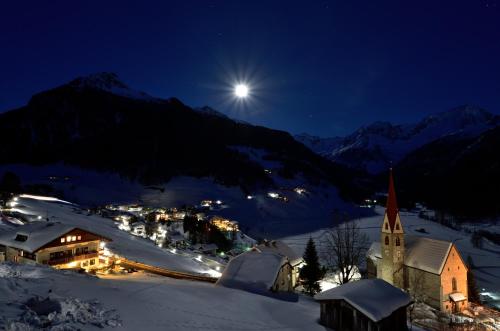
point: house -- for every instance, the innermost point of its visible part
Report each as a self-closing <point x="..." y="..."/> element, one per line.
<point x="279" y="247"/>
<point x="139" y="228"/>
<point x="431" y="270"/>
<point x="58" y="245"/>
<point x="367" y="304"/>
<point x="258" y="271"/>
<point x="210" y="249"/>
<point x="177" y="239"/>
<point x="228" y="227"/>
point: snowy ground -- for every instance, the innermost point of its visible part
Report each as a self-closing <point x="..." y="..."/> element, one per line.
<point x="123" y="243"/>
<point x="486" y="260"/>
<point x="142" y="301"/>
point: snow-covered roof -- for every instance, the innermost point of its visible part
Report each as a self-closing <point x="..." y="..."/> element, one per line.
<point x="38" y="234"/>
<point x="374" y="250"/>
<point x="458" y="296"/>
<point x="421" y="253"/>
<point x="426" y="254"/>
<point x="375" y="298"/>
<point x="206" y="247"/>
<point x="254" y="270"/>
<point x="283" y="249"/>
<point x="176" y="237"/>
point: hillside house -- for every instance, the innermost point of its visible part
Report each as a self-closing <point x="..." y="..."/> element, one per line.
<point x="58" y="245"/>
<point x="228" y="227"/>
<point x="209" y="249"/>
<point x="259" y="272"/>
<point x="430" y="269"/>
<point x="367" y="304"/>
<point x="138" y="228"/>
<point x="296" y="261"/>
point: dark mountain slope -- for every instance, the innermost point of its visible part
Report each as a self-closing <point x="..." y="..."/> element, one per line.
<point x="99" y="123"/>
<point x="461" y="177"/>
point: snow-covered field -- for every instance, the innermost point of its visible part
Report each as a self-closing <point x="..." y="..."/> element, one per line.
<point x="123" y="243"/>
<point x="486" y="260"/>
<point x="142" y="301"/>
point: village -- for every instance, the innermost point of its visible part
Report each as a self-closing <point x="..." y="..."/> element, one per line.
<point x="425" y="283"/>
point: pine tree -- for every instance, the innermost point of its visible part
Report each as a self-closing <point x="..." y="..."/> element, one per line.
<point x="311" y="273"/>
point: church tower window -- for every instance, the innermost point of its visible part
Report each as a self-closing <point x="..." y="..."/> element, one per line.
<point x="397" y="226"/>
<point x="454" y="284"/>
<point x="398" y="243"/>
<point x="386" y="226"/>
<point x="386" y="240"/>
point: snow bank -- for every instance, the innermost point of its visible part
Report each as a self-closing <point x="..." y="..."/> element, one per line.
<point x="63" y="314"/>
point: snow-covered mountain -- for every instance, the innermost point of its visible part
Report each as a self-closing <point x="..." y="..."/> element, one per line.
<point x="375" y="146"/>
<point x="109" y="82"/>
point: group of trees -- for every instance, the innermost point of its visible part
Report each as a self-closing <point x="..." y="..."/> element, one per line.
<point x="9" y="184"/>
<point x="344" y="248"/>
<point x="202" y="231"/>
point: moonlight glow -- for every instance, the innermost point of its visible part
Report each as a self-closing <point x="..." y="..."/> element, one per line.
<point x="241" y="91"/>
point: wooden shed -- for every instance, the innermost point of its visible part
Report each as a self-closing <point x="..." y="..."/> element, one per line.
<point x="367" y="304"/>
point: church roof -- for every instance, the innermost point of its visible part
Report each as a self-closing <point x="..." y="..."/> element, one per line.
<point x="420" y="253"/>
<point x="391" y="209"/>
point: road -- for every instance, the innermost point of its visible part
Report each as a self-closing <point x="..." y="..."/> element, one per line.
<point x="162" y="271"/>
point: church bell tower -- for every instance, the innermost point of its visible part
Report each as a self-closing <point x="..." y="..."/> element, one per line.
<point x="392" y="245"/>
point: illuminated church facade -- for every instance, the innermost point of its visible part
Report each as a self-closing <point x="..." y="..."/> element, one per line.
<point x="431" y="270"/>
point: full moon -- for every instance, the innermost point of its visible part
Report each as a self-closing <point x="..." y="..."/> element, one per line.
<point x="241" y="91"/>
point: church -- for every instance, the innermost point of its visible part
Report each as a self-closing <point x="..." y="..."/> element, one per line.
<point x="431" y="270"/>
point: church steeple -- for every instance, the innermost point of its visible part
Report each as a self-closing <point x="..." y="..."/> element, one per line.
<point x="391" y="209"/>
<point x="392" y="240"/>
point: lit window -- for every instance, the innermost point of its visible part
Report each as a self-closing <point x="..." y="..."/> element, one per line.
<point x="63" y="240"/>
<point x="73" y="238"/>
<point x="68" y="238"/>
<point x="79" y="237"/>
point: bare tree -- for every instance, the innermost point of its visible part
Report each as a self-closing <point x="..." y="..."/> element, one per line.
<point x="344" y="249"/>
<point x="418" y="290"/>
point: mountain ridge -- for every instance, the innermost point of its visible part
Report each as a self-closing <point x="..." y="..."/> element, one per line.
<point x="376" y="146"/>
<point x="97" y="123"/>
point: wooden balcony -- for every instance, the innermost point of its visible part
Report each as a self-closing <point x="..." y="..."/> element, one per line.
<point x="68" y="259"/>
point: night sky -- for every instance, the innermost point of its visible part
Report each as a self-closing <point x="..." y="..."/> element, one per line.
<point x="323" y="67"/>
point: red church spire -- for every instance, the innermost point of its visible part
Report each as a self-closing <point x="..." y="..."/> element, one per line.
<point x="391" y="208"/>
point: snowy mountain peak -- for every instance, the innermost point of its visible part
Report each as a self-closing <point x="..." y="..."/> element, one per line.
<point x="467" y="114"/>
<point x="374" y="146"/>
<point x="109" y="82"/>
<point x="101" y="80"/>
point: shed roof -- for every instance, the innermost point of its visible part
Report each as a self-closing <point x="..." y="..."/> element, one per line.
<point x="375" y="298"/>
